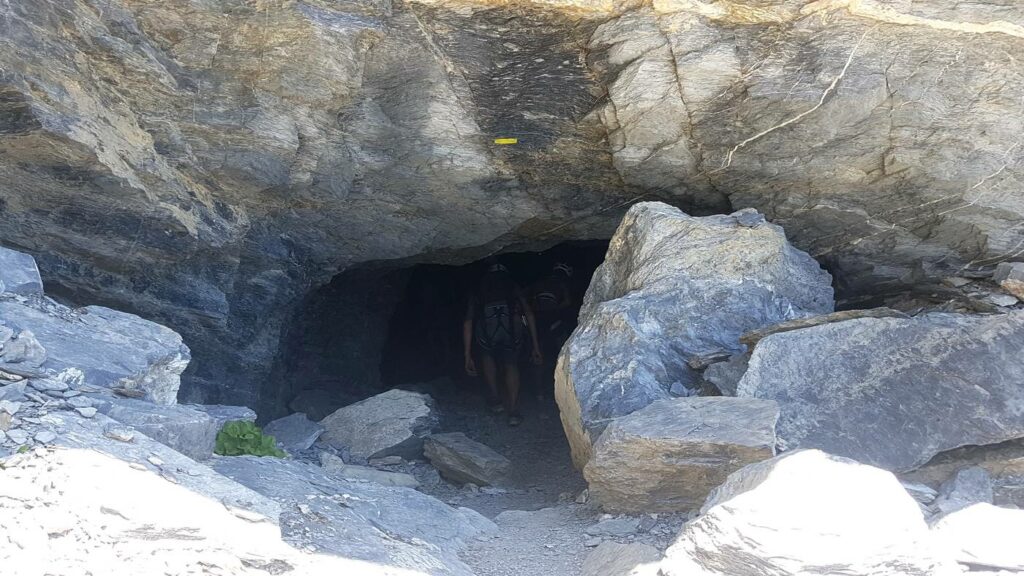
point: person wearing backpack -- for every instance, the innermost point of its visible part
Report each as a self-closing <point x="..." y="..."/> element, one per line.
<point x="555" y="311"/>
<point x="497" y="318"/>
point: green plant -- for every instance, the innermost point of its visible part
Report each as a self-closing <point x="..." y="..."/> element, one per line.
<point x="238" y="438"/>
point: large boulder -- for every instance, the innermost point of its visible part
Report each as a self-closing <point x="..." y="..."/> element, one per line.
<point x="461" y="459"/>
<point x="110" y="348"/>
<point x="19" y="273"/>
<point x="807" y="512"/>
<point x="672" y="288"/>
<point x="614" y="559"/>
<point x="393" y="423"/>
<point x="894" y="392"/>
<point x="983" y="536"/>
<point x="187" y="430"/>
<point x="669" y="455"/>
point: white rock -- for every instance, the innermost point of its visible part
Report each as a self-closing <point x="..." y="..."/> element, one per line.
<point x="983" y="535"/>
<point x="10" y="407"/>
<point x="802" y="511"/>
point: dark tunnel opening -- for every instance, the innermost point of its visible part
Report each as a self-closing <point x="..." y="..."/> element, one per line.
<point x="373" y="328"/>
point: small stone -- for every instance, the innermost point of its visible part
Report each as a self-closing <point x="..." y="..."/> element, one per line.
<point x="592" y="542"/>
<point x="1003" y="300"/>
<point x="386" y="461"/>
<point x="18" y="436"/>
<point x="10" y="407"/>
<point x="119" y="433"/>
<point x="79" y="402"/>
<point x="583" y="497"/>
<point x="749" y="218"/>
<point x="71" y="393"/>
<point x="3" y="436"/>
<point x="956" y="281"/>
<point x="614" y="527"/>
<point x="47" y="385"/>
<point x="86" y="412"/>
<point x="45" y="436"/>
<point x="155" y="461"/>
<point x="305" y="509"/>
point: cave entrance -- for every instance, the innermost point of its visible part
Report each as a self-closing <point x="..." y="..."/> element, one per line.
<point x="378" y="327"/>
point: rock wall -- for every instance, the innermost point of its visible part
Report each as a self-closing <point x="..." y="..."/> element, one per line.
<point x="205" y="164"/>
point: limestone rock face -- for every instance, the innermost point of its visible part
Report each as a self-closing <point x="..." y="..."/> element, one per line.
<point x="461" y="459"/>
<point x="19" y="273"/>
<point x="668" y="456"/>
<point x="894" y="392"/>
<point x="674" y="287"/>
<point x="393" y="423"/>
<point x="208" y="167"/>
<point x="803" y="511"/>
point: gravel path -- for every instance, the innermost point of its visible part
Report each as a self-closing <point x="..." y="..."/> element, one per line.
<point x="542" y="527"/>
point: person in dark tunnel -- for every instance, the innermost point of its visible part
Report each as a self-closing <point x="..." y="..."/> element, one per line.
<point x="552" y="303"/>
<point x="496" y="316"/>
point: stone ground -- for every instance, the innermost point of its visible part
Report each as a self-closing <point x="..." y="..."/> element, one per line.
<point x="542" y="527"/>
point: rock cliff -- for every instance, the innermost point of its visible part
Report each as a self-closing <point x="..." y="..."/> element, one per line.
<point x="206" y="164"/>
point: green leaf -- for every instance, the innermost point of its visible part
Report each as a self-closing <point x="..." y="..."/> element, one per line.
<point x="239" y="437"/>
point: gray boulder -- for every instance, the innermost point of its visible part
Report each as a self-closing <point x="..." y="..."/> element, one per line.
<point x="614" y="559"/>
<point x="725" y="376"/>
<point x="1010" y="275"/>
<point x="111" y="348"/>
<point x="807" y="512"/>
<point x="334" y="466"/>
<point x="294" y="432"/>
<point x="187" y="430"/>
<point x="384" y="525"/>
<point x="968" y="486"/>
<point x="460" y="459"/>
<point x="894" y="392"/>
<point x="393" y="423"/>
<point x="674" y="287"/>
<point x="983" y="536"/>
<point x="669" y="455"/>
<point x="19" y="273"/>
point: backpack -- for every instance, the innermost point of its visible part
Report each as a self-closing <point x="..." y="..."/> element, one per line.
<point x="498" y="325"/>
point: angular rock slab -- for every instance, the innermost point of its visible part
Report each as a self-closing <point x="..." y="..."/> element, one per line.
<point x="807" y="512"/>
<point x="614" y="559"/>
<point x="1010" y="275"/>
<point x="983" y="536"/>
<point x="335" y="466"/>
<point x="673" y="287"/>
<point x="19" y="273"/>
<point x="462" y="460"/>
<point x="187" y="430"/>
<point x="111" y="348"/>
<point x="393" y="423"/>
<point x="384" y="525"/>
<point x="294" y="432"/>
<point x="222" y="414"/>
<point x="668" y="456"/>
<point x="894" y="392"/>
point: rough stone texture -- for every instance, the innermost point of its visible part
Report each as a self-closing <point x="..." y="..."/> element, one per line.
<point x="393" y="423"/>
<point x="1010" y="275"/>
<point x="754" y="336"/>
<point x="19" y="273"/>
<point x="295" y="432"/>
<point x="223" y="414"/>
<point x="673" y="287"/>
<point x="614" y="559"/>
<point x="668" y="456"/>
<point x="462" y="460"/>
<point x="360" y="520"/>
<point x="983" y="537"/>
<point x="894" y="392"/>
<point x="968" y="486"/>
<point x="187" y="430"/>
<point x="207" y="166"/>
<point x="725" y="376"/>
<point x="110" y="348"/>
<point x="807" y="512"/>
<point x="334" y="466"/>
<point x="1004" y="462"/>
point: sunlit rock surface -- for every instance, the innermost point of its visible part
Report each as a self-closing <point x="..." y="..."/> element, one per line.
<point x="205" y="164"/>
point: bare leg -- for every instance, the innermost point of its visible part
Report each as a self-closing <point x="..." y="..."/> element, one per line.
<point x="511" y="387"/>
<point x="490" y="372"/>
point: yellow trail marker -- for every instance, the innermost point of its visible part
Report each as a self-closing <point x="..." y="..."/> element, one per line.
<point x="506" y="140"/>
